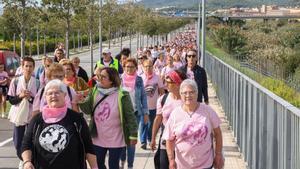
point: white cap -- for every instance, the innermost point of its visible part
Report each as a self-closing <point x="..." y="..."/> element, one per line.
<point x="106" y="50"/>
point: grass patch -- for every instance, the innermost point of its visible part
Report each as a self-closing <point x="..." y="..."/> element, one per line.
<point x="275" y="85"/>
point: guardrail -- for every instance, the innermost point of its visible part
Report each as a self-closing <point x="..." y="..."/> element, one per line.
<point x="266" y="127"/>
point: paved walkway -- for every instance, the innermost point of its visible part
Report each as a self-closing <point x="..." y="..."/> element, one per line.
<point x="233" y="159"/>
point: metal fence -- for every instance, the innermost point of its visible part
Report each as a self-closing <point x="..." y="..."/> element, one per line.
<point x="266" y="127"/>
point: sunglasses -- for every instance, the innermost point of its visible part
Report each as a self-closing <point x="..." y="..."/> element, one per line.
<point x="191" y="56"/>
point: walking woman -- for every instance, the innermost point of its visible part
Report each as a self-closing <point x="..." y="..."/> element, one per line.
<point x="165" y="105"/>
<point x="133" y="83"/>
<point x="57" y="137"/>
<point x="154" y="88"/>
<point x="190" y="132"/>
<point x="113" y="124"/>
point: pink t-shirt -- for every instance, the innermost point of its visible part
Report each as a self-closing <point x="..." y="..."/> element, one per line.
<point x="158" y="66"/>
<point x="3" y="75"/>
<point x="108" y="123"/>
<point x="151" y="88"/>
<point x="178" y="64"/>
<point x="169" y="106"/>
<point x="190" y="74"/>
<point x="38" y="103"/>
<point x="166" y="110"/>
<point x="192" y="135"/>
<point x="166" y="70"/>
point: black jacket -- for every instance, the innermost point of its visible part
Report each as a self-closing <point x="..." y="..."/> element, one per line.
<point x="82" y="73"/>
<point x="201" y="80"/>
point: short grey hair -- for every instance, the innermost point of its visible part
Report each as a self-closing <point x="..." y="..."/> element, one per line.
<point x="189" y="82"/>
<point x="56" y="83"/>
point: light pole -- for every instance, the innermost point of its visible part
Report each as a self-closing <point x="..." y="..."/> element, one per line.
<point x="203" y="35"/>
<point x="198" y="33"/>
<point x="100" y="28"/>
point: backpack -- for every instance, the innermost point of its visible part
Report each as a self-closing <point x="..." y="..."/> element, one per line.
<point x="157" y="153"/>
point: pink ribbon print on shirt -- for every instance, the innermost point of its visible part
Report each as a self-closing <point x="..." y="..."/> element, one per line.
<point x="194" y="133"/>
<point x="104" y="112"/>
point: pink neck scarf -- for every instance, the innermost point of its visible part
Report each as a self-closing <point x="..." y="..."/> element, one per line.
<point x="149" y="76"/>
<point x="53" y="115"/>
<point x="129" y="80"/>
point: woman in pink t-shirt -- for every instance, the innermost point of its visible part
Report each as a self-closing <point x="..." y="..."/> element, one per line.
<point x="190" y="130"/>
<point x="159" y="63"/>
<point x="154" y="88"/>
<point x="113" y="124"/>
<point x="165" y="105"/>
<point x="177" y="61"/>
<point x="4" y="80"/>
<point x="168" y="68"/>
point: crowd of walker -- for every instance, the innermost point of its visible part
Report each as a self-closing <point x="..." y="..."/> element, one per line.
<point x="160" y="88"/>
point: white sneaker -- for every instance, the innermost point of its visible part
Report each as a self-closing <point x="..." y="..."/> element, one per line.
<point x="122" y="164"/>
<point x="130" y="167"/>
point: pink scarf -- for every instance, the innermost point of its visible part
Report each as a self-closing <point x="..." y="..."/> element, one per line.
<point x="53" y="115"/>
<point x="129" y="80"/>
<point x="148" y="77"/>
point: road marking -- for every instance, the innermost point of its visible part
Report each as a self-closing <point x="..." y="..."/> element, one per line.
<point x="5" y="142"/>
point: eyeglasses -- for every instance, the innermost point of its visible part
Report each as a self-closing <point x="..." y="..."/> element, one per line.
<point x="188" y="93"/>
<point x="191" y="56"/>
<point x="148" y="66"/>
<point x="59" y="53"/>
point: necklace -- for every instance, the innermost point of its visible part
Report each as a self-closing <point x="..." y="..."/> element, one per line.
<point x="190" y="114"/>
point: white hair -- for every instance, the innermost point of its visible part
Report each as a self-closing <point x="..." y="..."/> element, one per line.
<point x="56" y="83"/>
<point x="190" y="83"/>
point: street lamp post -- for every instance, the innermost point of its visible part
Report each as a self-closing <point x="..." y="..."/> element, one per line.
<point x="203" y="35"/>
<point x="100" y="29"/>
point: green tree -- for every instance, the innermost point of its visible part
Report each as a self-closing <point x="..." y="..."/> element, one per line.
<point x="20" y="12"/>
<point x="63" y="10"/>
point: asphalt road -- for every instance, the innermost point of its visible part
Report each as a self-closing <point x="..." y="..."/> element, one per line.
<point x="8" y="158"/>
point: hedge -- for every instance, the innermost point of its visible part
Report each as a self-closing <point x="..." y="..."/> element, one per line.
<point x="50" y="44"/>
<point x="277" y="86"/>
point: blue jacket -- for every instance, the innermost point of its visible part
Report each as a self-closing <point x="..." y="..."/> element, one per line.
<point x="39" y="72"/>
<point x="140" y="97"/>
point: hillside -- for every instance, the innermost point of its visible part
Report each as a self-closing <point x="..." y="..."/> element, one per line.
<point x="213" y="4"/>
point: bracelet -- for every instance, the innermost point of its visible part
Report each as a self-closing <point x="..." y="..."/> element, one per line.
<point x="219" y="152"/>
<point x="27" y="161"/>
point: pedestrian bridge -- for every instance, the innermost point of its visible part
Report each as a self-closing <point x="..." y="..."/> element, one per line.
<point x="266" y="127"/>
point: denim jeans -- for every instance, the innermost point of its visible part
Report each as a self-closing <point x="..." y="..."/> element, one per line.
<point x="130" y="155"/>
<point x="113" y="158"/>
<point x="143" y="128"/>
<point x="152" y="114"/>
<point x="18" y="135"/>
